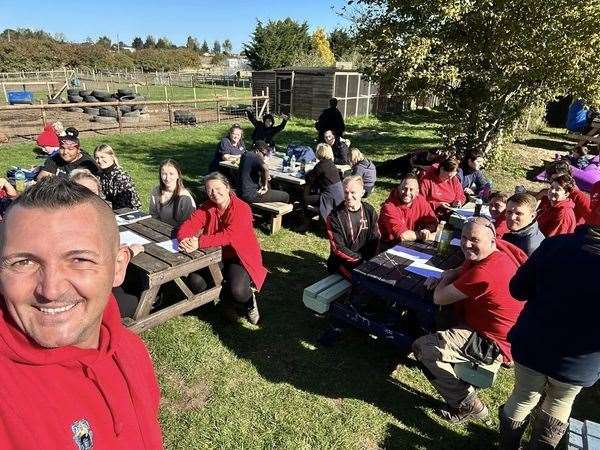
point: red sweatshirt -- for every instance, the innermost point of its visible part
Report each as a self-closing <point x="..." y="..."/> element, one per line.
<point x="231" y="230"/>
<point x="556" y="219"/>
<point x="397" y="217"/>
<point x="437" y="191"/>
<point x="62" y="398"/>
<point x="594" y="215"/>
<point x="582" y="205"/>
<point x="500" y="225"/>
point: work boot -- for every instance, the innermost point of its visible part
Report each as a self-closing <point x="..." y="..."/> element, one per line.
<point x="471" y="408"/>
<point x="546" y="432"/>
<point x="228" y="310"/>
<point x="511" y="431"/>
<point x="252" y="314"/>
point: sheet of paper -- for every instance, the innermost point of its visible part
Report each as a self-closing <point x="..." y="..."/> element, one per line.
<point x="455" y="241"/>
<point x="132" y="217"/>
<point x="409" y="253"/>
<point x="425" y="270"/>
<point x="469" y="211"/>
<point x="171" y="245"/>
<point x="129" y="237"/>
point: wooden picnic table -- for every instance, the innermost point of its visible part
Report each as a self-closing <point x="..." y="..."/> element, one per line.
<point x="386" y="277"/>
<point x="591" y="136"/>
<point x="157" y="266"/>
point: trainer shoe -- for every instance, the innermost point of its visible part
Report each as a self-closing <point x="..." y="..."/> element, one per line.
<point x="253" y="315"/>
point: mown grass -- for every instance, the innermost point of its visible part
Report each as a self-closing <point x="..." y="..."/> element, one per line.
<point x="273" y="386"/>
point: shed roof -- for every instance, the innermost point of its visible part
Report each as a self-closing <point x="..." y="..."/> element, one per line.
<point x="308" y="70"/>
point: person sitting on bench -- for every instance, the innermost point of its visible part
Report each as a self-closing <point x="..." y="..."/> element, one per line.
<point x="555" y="213"/>
<point x="470" y="173"/>
<point x="406" y="215"/>
<point x="340" y="149"/>
<point x="254" y="177"/>
<point x="323" y="186"/>
<point x="230" y="147"/>
<point x="365" y="168"/>
<point x="170" y="201"/>
<point x="523" y="230"/>
<point x="226" y="221"/>
<point x="352" y="230"/>
<point x="485" y="313"/>
<point x="264" y="130"/>
<point x="441" y="187"/>
<point x="497" y="202"/>
<point x="556" y="340"/>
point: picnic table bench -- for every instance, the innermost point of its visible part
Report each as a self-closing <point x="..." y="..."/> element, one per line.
<point x="157" y="266"/>
<point x="591" y="136"/>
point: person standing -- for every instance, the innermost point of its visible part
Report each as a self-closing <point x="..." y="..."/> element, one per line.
<point x="331" y="119"/>
<point x="265" y="130"/>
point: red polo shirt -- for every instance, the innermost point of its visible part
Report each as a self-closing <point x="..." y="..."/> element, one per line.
<point x="489" y="308"/>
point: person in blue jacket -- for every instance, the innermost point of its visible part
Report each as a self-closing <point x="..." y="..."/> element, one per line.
<point x="471" y="176"/>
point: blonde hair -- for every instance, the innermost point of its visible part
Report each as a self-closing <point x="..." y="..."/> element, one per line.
<point x="105" y="148"/>
<point x="356" y="156"/>
<point x="324" y="151"/>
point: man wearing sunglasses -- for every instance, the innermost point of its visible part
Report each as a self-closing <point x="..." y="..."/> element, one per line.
<point x="484" y="311"/>
<point x="69" y="157"/>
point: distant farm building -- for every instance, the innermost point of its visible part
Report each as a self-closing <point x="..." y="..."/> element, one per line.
<point x="305" y="91"/>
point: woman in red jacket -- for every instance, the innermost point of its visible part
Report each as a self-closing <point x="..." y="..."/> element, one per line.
<point x="556" y="212"/>
<point x="226" y="221"/>
<point x="442" y="188"/>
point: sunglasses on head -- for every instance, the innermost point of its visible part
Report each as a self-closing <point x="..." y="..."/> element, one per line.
<point x="484" y="221"/>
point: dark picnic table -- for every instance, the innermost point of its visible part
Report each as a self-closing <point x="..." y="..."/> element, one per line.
<point x="157" y="266"/>
<point x="385" y="277"/>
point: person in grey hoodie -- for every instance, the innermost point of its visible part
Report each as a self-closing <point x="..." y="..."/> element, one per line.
<point x="365" y="168"/>
<point x="523" y="230"/>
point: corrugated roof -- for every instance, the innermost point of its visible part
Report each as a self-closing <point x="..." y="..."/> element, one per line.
<point x="313" y="70"/>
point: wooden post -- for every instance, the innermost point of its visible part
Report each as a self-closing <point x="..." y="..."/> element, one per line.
<point x="218" y="113"/>
<point x="166" y="96"/>
<point x="170" y="118"/>
<point x="83" y="85"/>
<point x="119" y="116"/>
<point x="107" y="88"/>
<point x="48" y="88"/>
<point x="195" y="104"/>
<point x="4" y="90"/>
<point x="268" y="101"/>
<point x="227" y="96"/>
<point x="135" y="86"/>
<point x="43" y="111"/>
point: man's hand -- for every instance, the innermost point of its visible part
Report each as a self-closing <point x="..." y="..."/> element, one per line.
<point x="448" y="276"/>
<point x="424" y="235"/>
<point x="469" y="191"/>
<point x="262" y="190"/>
<point x="189" y="244"/>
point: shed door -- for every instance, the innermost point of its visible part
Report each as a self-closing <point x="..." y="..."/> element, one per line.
<point x="284" y="94"/>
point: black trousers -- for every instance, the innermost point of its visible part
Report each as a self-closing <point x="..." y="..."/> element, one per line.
<point x="236" y="282"/>
<point x="272" y="195"/>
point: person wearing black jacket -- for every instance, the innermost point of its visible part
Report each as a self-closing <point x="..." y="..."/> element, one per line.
<point x="352" y="230"/>
<point x="556" y="340"/>
<point x="331" y="119"/>
<point x="340" y="149"/>
<point x="323" y="186"/>
<point x="264" y="130"/>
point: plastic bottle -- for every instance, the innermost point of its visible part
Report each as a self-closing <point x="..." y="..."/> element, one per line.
<point x="444" y="239"/>
<point x="478" y="205"/>
<point x="293" y="163"/>
<point x="19" y="180"/>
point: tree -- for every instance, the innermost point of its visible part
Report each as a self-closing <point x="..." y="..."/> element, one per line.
<point x="104" y="41"/>
<point x="490" y="62"/>
<point x="204" y="48"/>
<point x="227" y="47"/>
<point x="192" y="44"/>
<point x="342" y="43"/>
<point x="163" y="43"/>
<point x="320" y="45"/>
<point x="150" y="42"/>
<point x="277" y="44"/>
<point x="216" y="47"/>
<point x="137" y="43"/>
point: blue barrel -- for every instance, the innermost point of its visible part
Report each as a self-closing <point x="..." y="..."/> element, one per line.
<point x="20" y="98"/>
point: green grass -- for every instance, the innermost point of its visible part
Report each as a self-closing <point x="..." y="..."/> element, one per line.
<point x="239" y="386"/>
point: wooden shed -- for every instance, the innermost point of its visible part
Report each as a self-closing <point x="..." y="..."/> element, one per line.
<point x="305" y="91"/>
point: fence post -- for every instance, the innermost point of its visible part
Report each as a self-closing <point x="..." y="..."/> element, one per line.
<point x="4" y="90"/>
<point x="195" y="104"/>
<point x="166" y="96"/>
<point x="227" y="96"/>
<point x="43" y="111"/>
<point x="170" y="118"/>
<point x="107" y="88"/>
<point x="218" y="113"/>
<point x="119" y="116"/>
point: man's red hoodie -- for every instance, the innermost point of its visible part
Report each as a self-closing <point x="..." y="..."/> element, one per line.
<point x="556" y="219"/>
<point x="437" y="191"/>
<point x="72" y="398"/>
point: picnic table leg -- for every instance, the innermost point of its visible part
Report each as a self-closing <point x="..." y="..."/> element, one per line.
<point x="146" y="300"/>
<point x="276" y="223"/>
<point x="179" y="282"/>
<point x="217" y="275"/>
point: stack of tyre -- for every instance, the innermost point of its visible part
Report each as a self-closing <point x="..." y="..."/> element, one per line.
<point x="130" y="111"/>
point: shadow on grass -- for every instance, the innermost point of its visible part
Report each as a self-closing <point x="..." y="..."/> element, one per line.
<point x="285" y="350"/>
<point x="545" y="143"/>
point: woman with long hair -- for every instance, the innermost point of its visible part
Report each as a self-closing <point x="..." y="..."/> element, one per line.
<point x="117" y="186"/>
<point x="170" y="201"/>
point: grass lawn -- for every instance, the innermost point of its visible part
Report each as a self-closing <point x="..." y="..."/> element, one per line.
<point x="273" y="386"/>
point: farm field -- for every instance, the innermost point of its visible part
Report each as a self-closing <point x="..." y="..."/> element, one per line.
<point x="273" y="386"/>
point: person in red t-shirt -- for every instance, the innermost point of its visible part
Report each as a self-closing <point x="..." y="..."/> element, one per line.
<point x="497" y="203"/>
<point x="485" y="311"/>
<point x="406" y="215"/>
<point x="442" y="188"/>
<point x="580" y="199"/>
<point x="556" y="211"/>
<point x="594" y="215"/>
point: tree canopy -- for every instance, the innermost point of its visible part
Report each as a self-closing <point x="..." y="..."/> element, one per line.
<point x="277" y="43"/>
<point x="342" y="42"/>
<point x="489" y="61"/>
<point x="320" y="46"/>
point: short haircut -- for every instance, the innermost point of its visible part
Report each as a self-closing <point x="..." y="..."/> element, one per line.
<point x="449" y="164"/>
<point x="324" y="151"/>
<point x="557" y="168"/>
<point x="524" y="199"/>
<point x="217" y="176"/>
<point x="56" y="193"/>
<point x="84" y="174"/>
<point x="503" y="197"/>
<point x="475" y="153"/>
<point x="356" y="155"/>
<point x="353" y="179"/>
<point x="565" y="181"/>
<point x="333" y="101"/>
<point x="410" y="176"/>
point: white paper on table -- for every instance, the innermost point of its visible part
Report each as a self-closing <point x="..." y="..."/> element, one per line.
<point x="455" y="241"/>
<point x="131" y="217"/>
<point x="470" y="211"/>
<point x="425" y="270"/>
<point x="170" y="245"/>
<point x="129" y="237"/>
<point x="409" y="253"/>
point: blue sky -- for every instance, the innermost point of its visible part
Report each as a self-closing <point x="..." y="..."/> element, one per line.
<point x="210" y="20"/>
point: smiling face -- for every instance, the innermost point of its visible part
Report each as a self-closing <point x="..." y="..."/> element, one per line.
<point x="56" y="289"/>
<point x="218" y="193"/>
<point x="518" y="216"/>
<point x="477" y="241"/>
<point x="169" y="176"/>
<point x="329" y="137"/>
<point x="557" y="193"/>
<point x="408" y="190"/>
<point x="104" y="160"/>
<point x="235" y="136"/>
<point x="353" y="193"/>
<point x="69" y="151"/>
